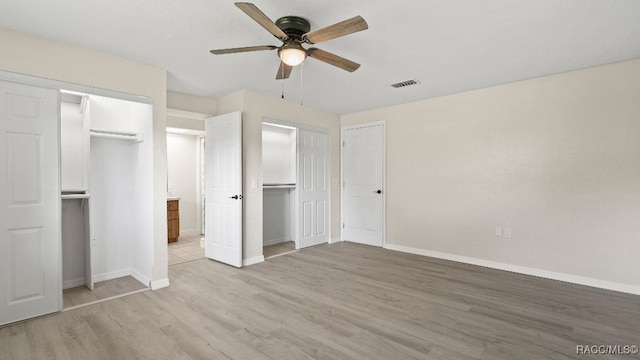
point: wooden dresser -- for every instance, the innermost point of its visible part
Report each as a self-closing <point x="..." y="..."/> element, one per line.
<point x="173" y="220"/>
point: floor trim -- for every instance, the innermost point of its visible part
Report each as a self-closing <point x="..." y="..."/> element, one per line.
<point x="574" y="279"/>
<point x="253" y="260"/>
<point x="103" y="300"/>
<point x="159" y="284"/>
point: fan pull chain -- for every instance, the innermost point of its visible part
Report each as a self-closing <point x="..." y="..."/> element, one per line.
<point x="301" y="68"/>
<point x="282" y="80"/>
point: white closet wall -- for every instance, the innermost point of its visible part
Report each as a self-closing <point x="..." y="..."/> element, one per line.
<point x="74" y="144"/>
<point x="74" y="242"/>
<point x="121" y="198"/>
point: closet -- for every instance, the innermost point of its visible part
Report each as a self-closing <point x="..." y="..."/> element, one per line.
<point x="295" y="170"/>
<point x="279" y="183"/>
<point x="106" y="172"/>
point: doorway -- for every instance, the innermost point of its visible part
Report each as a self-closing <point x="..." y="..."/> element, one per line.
<point x="185" y="194"/>
<point x="363" y="184"/>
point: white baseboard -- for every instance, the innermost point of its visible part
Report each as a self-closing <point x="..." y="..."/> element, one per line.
<point x="253" y="260"/>
<point x="159" y="284"/>
<point x="268" y="242"/>
<point x="68" y="284"/>
<point x="121" y="273"/>
<point x="574" y="279"/>
<point x="335" y="240"/>
<point x="140" y="277"/>
<point x="111" y="275"/>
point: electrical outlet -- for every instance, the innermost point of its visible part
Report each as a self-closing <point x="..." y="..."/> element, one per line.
<point x="507" y="233"/>
<point x="499" y="231"/>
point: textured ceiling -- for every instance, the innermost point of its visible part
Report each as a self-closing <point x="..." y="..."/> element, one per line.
<point x="450" y="46"/>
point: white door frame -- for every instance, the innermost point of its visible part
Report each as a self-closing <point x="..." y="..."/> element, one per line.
<point x="384" y="176"/>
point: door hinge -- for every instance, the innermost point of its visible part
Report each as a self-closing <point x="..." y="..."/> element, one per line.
<point x="342" y="143"/>
<point x="343" y="225"/>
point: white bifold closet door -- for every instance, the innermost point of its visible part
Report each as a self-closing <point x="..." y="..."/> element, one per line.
<point x="313" y="188"/>
<point x="30" y="271"/>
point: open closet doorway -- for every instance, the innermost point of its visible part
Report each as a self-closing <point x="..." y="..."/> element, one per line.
<point x="106" y="202"/>
<point x="295" y="166"/>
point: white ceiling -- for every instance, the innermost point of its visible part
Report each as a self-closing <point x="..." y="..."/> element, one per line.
<point x="450" y="46"/>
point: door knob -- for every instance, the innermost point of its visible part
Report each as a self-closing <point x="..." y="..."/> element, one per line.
<point x="235" y="197"/>
<point x="378" y="191"/>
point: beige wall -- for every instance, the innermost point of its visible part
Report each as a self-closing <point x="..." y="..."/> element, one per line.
<point x="190" y="103"/>
<point x="25" y="54"/>
<point x="557" y="159"/>
<point x="254" y="107"/>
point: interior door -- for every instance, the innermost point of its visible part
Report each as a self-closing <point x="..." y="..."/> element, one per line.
<point x="313" y="188"/>
<point x="30" y="218"/>
<point x="223" y="188"/>
<point x="88" y="245"/>
<point x="363" y="184"/>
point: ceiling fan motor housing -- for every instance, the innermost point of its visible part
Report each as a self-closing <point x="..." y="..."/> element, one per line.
<point x="293" y="26"/>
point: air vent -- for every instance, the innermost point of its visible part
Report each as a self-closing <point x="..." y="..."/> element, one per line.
<point x="405" y="83"/>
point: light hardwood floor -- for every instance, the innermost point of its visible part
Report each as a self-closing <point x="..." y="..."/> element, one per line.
<point x="278" y="249"/>
<point x="102" y="290"/>
<point x="340" y="301"/>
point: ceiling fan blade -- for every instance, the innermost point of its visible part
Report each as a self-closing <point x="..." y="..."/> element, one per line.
<point x="284" y="71"/>
<point x="342" y="28"/>
<point x="333" y="59"/>
<point x="243" y="49"/>
<point x="261" y="19"/>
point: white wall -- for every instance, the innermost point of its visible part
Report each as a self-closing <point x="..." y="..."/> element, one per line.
<point x="183" y="168"/>
<point x="94" y="70"/>
<point x="554" y="158"/>
<point x="72" y="172"/>
<point x="122" y="199"/>
<point x="113" y="208"/>
<point x="74" y="239"/>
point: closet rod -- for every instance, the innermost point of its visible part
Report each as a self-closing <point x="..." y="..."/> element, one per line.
<point x="117" y="135"/>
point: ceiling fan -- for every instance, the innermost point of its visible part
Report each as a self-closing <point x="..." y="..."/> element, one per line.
<point x="294" y="31"/>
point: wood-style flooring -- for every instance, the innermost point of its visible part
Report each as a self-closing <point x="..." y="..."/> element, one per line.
<point x="102" y="290"/>
<point x="278" y="249"/>
<point x="340" y="301"/>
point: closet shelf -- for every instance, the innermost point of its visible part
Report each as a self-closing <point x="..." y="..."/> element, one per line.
<point x="74" y="196"/>
<point x="278" y="186"/>
<point x="133" y="137"/>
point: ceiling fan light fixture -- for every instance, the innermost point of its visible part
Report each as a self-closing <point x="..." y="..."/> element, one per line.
<point x="292" y="54"/>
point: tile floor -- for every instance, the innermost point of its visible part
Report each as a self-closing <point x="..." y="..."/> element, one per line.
<point x="187" y="248"/>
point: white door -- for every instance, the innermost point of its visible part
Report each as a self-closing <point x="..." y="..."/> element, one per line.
<point x="30" y="265"/>
<point x="313" y="188"/>
<point x="223" y="188"/>
<point x="363" y="184"/>
<point x="88" y="245"/>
